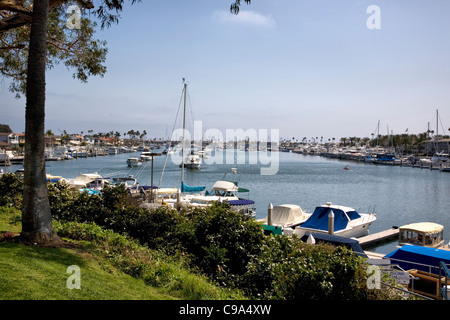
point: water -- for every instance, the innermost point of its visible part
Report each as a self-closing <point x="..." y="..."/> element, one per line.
<point x="399" y="195"/>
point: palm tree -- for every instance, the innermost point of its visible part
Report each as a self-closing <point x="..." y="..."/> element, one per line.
<point x="36" y="215"/>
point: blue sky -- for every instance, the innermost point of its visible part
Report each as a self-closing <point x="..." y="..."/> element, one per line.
<point x="309" y="68"/>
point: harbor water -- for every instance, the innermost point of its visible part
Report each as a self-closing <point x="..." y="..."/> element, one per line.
<point x="398" y="195"/>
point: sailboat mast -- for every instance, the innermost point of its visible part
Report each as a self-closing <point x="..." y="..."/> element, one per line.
<point x="184" y="131"/>
<point x="437" y="122"/>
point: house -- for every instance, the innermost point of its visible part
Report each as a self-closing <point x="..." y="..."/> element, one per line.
<point x="12" y="139"/>
<point x="75" y="139"/>
<point x="436" y="145"/>
<point x="52" y="141"/>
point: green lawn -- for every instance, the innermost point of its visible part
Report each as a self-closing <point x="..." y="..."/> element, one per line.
<point x="28" y="273"/>
<point x="38" y="273"/>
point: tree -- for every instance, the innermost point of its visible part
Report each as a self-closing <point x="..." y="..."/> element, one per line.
<point x="17" y="17"/>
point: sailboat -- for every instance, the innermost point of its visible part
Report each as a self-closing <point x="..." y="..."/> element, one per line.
<point x="196" y="196"/>
<point x="192" y="162"/>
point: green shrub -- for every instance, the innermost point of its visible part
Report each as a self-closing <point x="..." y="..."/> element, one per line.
<point x="11" y="190"/>
<point x="154" y="267"/>
<point x="289" y="269"/>
<point x="223" y="241"/>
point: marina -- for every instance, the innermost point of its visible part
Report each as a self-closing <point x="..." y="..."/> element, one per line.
<point x="398" y="195"/>
<point x="366" y="202"/>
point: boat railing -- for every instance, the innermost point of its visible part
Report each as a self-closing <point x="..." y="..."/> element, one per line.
<point x="442" y="277"/>
<point x="443" y="270"/>
<point x="430" y="267"/>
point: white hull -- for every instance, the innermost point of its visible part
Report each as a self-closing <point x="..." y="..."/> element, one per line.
<point x="192" y="165"/>
<point x="355" y="229"/>
<point x="134" y="162"/>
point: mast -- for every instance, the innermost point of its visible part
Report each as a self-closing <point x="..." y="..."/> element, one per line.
<point x="184" y="131"/>
<point x="437" y="122"/>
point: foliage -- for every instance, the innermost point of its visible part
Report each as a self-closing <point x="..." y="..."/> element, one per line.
<point x="287" y="268"/>
<point x="11" y="187"/>
<point x="154" y="267"/>
<point x="76" y="48"/>
<point x="229" y="248"/>
<point x="223" y="241"/>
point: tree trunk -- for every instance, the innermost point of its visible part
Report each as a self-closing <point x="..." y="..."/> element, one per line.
<point x="36" y="216"/>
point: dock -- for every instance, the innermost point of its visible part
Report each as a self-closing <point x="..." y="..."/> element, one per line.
<point x="378" y="237"/>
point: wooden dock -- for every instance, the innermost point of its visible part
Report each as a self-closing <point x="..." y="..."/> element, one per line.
<point x="378" y="237"/>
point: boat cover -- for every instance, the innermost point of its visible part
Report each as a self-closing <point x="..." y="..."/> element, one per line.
<point x="349" y="243"/>
<point x="417" y="257"/>
<point x="287" y="214"/>
<point x="225" y="186"/>
<point x="319" y="219"/>
<point x="240" y="202"/>
<point x="186" y="188"/>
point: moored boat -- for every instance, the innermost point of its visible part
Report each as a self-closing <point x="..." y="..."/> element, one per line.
<point x="336" y="219"/>
<point x="426" y="234"/>
<point x="285" y="216"/>
<point x="134" y="162"/>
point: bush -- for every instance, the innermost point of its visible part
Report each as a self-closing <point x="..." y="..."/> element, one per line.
<point x="11" y="190"/>
<point x="223" y="242"/>
<point x="154" y="267"/>
<point x="287" y="268"/>
<point x="230" y="248"/>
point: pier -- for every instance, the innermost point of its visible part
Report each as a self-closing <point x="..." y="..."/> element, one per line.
<point x="378" y="237"/>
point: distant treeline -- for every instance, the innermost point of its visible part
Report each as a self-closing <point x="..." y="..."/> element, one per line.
<point x="5" y="128"/>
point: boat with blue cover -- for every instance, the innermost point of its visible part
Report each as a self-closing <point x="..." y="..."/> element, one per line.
<point x="412" y="257"/>
<point x="336" y="219"/>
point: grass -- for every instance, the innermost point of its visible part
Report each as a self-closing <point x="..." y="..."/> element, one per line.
<point x="112" y="267"/>
<point x="34" y="273"/>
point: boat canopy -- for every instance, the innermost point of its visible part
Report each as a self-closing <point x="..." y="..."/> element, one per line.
<point x="222" y="185"/>
<point x="286" y="214"/>
<point x="240" y="202"/>
<point x="186" y="188"/>
<point x="423" y="233"/>
<point x="418" y="257"/>
<point x="319" y="218"/>
<point x="424" y="227"/>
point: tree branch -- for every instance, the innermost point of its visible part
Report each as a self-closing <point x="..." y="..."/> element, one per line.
<point x="22" y="14"/>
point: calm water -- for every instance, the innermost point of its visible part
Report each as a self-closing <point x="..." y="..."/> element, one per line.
<point x="399" y="195"/>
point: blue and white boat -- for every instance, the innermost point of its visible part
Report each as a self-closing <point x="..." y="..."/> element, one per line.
<point x="224" y="191"/>
<point x="338" y="220"/>
<point x="412" y="257"/>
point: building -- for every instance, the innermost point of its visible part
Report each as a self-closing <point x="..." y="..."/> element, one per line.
<point x="12" y="139"/>
<point x="437" y="145"/>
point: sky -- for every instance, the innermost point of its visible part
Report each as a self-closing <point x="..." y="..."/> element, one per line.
<point x="307" y="68"/>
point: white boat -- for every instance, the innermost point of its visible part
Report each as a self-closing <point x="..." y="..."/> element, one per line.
<point x="222" y="191"/>
<point x="335" y="219"/>
<point x="285" y="216"/>
<point x="440" y="157"/>
<point x="192" y="161"/>
<point x="129" y="182"/>
<point x="134" y="162"/>
<point x="146" y="156"/>
<point x="112" y="151"/>
<point x="87" y="180"/>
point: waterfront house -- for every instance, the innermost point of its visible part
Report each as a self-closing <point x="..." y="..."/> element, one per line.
<point x="12" y="139"/>
<point x="438" y="144"/>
